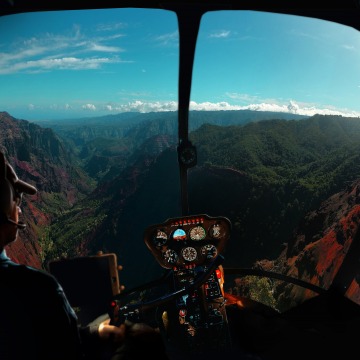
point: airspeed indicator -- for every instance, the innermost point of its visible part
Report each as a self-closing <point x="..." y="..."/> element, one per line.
<point x="197" y="233"/>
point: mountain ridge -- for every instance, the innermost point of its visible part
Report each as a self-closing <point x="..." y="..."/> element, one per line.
<point x="110" y="213"/>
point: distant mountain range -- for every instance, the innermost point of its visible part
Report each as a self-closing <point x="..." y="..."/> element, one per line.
<point x="102" y="183"/>
<point x="108" y="141"/>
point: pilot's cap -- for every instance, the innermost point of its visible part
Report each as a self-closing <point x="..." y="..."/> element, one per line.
<point x="7" y="172"/>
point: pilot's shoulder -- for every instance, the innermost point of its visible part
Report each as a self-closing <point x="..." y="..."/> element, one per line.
<point x="31" y="279"/>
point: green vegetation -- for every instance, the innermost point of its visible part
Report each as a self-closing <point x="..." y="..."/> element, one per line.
<point x="68" y="234"/>
<point x="256" y="288"/>
<point x="264" y="176"/>
<point x="313" y="157"/>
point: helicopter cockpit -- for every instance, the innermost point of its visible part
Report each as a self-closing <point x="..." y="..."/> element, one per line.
<point x="211" y="189"/>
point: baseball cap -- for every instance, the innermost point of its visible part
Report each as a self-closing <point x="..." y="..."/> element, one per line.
<point x="19" y="185"/>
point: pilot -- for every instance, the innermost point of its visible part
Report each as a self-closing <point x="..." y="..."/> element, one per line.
<point x="36" y="319"/>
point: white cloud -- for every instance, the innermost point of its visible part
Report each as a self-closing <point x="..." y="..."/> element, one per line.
<point x="66" y="63"/>
<point x="292" y="107"/>
<point x="110" y="27"/>
<point x="37" y="54"/>
<point x="143" y="107"/>
<point x="104" y="48"/>
<point x="91" y="107"/>
<point x="220" y="34"/>
<point x="99" y="109"/>
<point x="349" y="47"/>
<point x="168" y="39"/>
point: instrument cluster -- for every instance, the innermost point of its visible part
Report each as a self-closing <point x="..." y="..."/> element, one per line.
<point x="187" y="241"/>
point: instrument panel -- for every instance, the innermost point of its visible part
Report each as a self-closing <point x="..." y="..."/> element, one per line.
<point x="188" y="240"/>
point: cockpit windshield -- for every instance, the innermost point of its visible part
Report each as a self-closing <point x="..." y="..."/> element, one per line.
<point x="275" y="119"/>
<point x="274" y="116"/>
<point x="89" y="63"/>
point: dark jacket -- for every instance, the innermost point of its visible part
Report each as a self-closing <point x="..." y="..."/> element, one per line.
<point x="36" y="319"/>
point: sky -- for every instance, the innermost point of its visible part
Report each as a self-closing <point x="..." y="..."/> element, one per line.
<point x="64" y="65"/>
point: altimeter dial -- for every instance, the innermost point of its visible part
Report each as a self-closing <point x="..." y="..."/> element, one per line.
<point x="189" y="253"/>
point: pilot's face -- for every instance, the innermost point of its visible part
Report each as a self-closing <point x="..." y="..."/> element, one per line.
<point x="9" y="231"/>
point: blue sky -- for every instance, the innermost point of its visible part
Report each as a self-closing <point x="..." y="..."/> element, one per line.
<point x="59" y="65"/>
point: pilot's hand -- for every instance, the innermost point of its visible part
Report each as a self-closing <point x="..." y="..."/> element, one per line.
<point x="141" y="340"/>
<point x="111" y="332"/>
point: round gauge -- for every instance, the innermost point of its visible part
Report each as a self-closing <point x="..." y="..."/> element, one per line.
<point x="197" y="233"/>
<point x="187" y="155"/>
<point x="170" y="256"/>
<point x="160" y="238"/>
<point x="189" y="253"/>
<point x="216" y="231"/>
<point x="179" y="234"/>
<point x="209" y="251"/>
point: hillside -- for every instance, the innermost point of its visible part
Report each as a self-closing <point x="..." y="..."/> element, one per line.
<point x="317" y="249"/>
<point x="267" y="177"/>
<point x="104" y="144"/>
<point x="264" y="176"/>
<point x="40" y="157"/>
